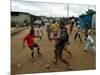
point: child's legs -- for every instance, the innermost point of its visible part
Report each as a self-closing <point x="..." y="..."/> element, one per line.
<point x="60" y="52"/>
<point x="87" y="44"/>
<point x="75" y="36"/>
<point x="56" y="55"/>
<point x="64" y="61"/>
<point x="48" y="35"/>
<point x="92" y="47"/>
<point x="79" y="37"/>
<point x="38" y="49"/>
<point x="40" y="37"/>
<point x="32" y="49"/>
<point x="70" y="30"/>
<point x="66" y="48"/>
<point x="60" y="57"/>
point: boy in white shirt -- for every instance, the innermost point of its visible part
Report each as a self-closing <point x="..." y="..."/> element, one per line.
<point x="90" y="42"/>
<point x="39" y="32"/>
<point x="77" y="33"/>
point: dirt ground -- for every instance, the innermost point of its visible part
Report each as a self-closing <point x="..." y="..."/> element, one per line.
<point x="21" y="62"/>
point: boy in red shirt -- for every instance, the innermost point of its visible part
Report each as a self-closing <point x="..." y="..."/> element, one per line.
<point x="31" y="43"/>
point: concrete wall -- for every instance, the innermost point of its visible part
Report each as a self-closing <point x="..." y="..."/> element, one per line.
<point x="20" y="18"/>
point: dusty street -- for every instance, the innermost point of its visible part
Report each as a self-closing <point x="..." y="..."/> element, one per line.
<point x="81" y="60"/>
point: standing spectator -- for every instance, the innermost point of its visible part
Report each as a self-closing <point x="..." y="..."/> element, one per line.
<point x="72" y="25"/>
<point x="77" y="33"/>
<point x="48" y="30"/>
<point x="55" y="28"/>
<point x="40" y="32"/>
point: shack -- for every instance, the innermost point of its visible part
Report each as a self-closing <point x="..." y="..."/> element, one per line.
<point x="20" y="19"/>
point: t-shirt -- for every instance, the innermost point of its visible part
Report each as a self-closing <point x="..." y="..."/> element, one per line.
<point x="78" y="29"/>
<point x="73" y="20"/>
<point x="90" y="40"/>
<point x="29" y="39"/>
<point x="64" y="36"/>
<point x="35" y="30"/>
<point x="55" y="27"/>
<point x="39" y="31"/>
<point x="48" y="29"/>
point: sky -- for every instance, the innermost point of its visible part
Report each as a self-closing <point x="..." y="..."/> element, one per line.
<point x="49" y="9"/>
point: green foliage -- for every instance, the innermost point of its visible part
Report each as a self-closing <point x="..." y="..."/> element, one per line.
<point x="90" y="12"/>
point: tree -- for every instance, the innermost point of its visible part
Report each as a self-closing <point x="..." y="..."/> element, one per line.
<point x="90" y="12"/>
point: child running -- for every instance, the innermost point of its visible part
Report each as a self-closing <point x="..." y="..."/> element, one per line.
<point x="59" y="47"/>
<point x="71" y="26"/>
<point x="90" y="42"/>
<point x="77" y="33"/>
<point x="31" y="43"/>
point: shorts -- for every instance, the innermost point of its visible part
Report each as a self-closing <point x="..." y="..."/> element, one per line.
<point x="32" y="47"/>
<point x="60" y="45"/>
